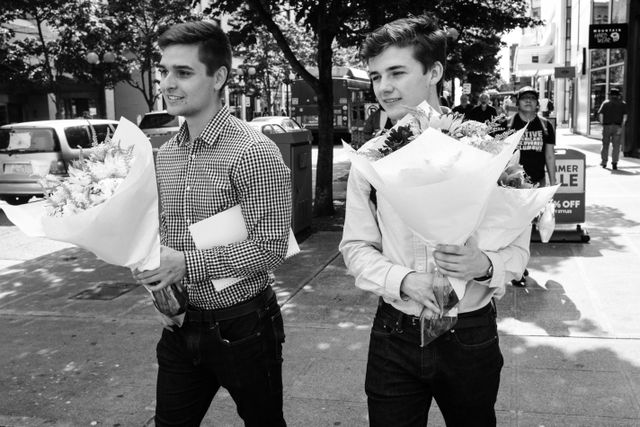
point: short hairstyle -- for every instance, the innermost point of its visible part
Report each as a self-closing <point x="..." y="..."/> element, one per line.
<point x="421" y="32"/>
<point x="214" y="48"/>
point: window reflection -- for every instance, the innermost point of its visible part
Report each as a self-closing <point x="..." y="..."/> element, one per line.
<point x="598" y="58"/>
<point x="616" y="56"/>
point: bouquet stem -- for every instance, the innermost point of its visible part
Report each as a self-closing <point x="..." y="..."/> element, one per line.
<point x="432" y="328"/>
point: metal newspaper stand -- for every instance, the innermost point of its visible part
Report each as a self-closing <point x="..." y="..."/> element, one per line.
<point x="569" y="199"/>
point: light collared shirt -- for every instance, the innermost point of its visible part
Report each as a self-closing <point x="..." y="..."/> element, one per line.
<point x="229" y="163"/>
<point x="379" y="250"/>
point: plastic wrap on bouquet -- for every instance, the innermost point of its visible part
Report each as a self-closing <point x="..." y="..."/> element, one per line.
<point x="171" y="302"/>
<point x="547" y="222"/>
<point x="446" y="298"/>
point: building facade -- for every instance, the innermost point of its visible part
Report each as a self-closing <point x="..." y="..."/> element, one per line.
<point x="559" y="60"/>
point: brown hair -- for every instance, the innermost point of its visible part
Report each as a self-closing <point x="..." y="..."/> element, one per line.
<point x="214" y="49"/>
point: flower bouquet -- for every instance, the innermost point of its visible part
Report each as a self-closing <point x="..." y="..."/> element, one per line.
<point x="426" y="178"/>
<point x="109" y="206"/>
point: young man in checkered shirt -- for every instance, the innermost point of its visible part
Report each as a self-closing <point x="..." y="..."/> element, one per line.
<point x="233" y="337"/>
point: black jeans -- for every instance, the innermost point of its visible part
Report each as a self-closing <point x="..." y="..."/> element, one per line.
<point x="243" y="355"/>
<point x="460" y="370"/>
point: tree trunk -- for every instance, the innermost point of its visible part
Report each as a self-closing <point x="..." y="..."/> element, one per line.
<point x="323" y="203"/>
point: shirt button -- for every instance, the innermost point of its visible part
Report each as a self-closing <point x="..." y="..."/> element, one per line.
<point x="193" y="156"/>
<point x="188" y="188"/>
<point x="188" y="221"/>
<point x="420" y="267"/>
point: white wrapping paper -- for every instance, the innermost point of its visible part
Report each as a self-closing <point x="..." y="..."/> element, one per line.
<point x="121" y="231"/>
<point x="439" y="186"/>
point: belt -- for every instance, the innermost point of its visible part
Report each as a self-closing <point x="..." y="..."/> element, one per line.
<point x="256" y="303"/>
<point x="484" y="316"/>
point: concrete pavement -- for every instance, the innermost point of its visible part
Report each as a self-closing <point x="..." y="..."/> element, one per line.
<point x="571" y="338"/>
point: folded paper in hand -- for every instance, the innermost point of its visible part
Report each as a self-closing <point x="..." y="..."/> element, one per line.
<point x="225" y="228"/>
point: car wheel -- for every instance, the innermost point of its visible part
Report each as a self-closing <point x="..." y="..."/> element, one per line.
<point x="17" y="200"/>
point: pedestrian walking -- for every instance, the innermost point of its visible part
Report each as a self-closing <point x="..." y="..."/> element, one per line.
<point x="464" y="107"/>
<point x="231" y="337"/>
<point x="460" y="369"/>
<point x="483" y="111"/>
<point x="613" y="116"/>
<point x="537" y="146"/>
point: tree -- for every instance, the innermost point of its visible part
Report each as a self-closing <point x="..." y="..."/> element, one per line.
<point x="345" y="21"/>
<point x="45" y="59"/>
<point x="136" y="27"/>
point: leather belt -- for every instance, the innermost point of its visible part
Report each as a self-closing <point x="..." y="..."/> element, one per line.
<point x="484" y="316"/>
<point x="256" y="303"/>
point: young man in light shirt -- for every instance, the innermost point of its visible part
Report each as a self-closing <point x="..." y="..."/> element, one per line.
<point x="461" y="368"/>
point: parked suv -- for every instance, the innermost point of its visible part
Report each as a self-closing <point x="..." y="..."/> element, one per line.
<point x="30" y="149"/>
<point x="160" y="126"/>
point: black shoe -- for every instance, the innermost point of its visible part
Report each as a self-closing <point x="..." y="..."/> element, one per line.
<point x="604" y="165"/>
<point x="614" y="166"/>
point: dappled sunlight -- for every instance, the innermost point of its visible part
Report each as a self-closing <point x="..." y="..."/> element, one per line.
<point x="6" y="294"/>
<point x="574" y="349"/>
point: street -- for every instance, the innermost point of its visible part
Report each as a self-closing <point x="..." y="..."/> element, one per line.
<point x="73" y="354"/>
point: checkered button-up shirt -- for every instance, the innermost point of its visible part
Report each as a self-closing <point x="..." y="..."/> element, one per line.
<point x="228" y="164"/>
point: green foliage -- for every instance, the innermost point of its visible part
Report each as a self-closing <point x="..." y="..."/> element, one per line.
<point x="345" y="22"/>
<point x="135" y="28"/>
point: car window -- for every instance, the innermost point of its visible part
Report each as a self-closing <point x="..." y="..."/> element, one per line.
<point x="154" y="121"/>
<point x="290" y="124"/>
<point x="82" y="136"/>
<point x="28" y="140"/>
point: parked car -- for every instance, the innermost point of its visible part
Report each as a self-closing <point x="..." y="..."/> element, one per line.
<point x="267" y="128"/>
<point x="160" y="126"/>
<point x="39" y="147"/>
<point x="287" y="123"/>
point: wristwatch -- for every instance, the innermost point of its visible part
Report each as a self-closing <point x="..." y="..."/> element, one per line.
<point x="488" y="275"/>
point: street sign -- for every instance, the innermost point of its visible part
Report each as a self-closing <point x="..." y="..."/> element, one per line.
<point x="565" y="72"/>
<point x="608" y="36"/>
<point x="466" y="88"/>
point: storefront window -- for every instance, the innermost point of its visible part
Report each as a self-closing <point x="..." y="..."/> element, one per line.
<point x="598" y="95"/>
<point x="598" y="58"/>
<point x="617" y="56"/>
<point x="618" y="11"/>
<point x="616" y="76"/>
<point x="607" y="65"/>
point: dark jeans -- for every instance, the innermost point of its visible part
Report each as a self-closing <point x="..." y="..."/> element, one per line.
<point x="610" y="134"/>
<point x="460" y="370"/>
<point x="243" y="355"/>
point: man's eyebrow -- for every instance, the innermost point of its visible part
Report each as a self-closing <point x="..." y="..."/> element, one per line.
<point x="175" y="67"/>
<point x="389" y="69"/>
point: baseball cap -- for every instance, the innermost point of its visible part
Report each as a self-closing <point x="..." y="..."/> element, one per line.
<point x="527" y="89"/>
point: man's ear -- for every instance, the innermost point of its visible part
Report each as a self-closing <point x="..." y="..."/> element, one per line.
<point x="435" y="73"/>
<point x="220" y="77"/>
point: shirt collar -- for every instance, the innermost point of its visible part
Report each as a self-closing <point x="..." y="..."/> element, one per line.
<point x="210" y="133"/>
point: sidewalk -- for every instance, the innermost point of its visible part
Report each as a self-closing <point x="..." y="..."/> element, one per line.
<point x="571" y="340"/>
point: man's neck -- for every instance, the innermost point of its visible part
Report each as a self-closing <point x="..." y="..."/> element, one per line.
<point x="199" y="121"/>
<point x="526" y="116"/>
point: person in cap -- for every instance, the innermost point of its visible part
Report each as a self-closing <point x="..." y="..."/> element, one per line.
<point x="613" y="116"/>
<point x="536" y="146"/>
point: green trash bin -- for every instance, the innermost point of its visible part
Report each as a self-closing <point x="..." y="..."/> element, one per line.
<point x="296" y="153"/>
